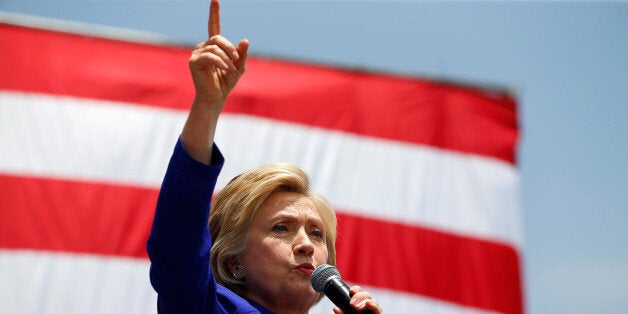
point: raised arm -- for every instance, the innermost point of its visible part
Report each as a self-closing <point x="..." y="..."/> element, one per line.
<point x="216" y="66"/>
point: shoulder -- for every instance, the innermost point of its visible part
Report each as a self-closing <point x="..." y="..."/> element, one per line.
<point x="236" y="304"/>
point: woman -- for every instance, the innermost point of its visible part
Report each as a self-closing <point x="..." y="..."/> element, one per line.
<point x="268" y="230"/>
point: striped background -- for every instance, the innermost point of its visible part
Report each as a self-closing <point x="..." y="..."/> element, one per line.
<point x="422" y="174"/>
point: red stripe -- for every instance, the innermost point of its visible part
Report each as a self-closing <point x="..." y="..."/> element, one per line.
<point x="425" y="261"/>
<point x="73" y="216"/>
<point x="384" y="106"/>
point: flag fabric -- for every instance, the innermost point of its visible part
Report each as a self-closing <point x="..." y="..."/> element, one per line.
<point x="422" y="173"/>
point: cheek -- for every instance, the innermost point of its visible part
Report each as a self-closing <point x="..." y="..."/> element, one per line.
<point x="273" y="249"/>
<point x="321" y="254"/>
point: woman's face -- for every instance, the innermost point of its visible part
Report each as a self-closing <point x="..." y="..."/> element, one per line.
<point x="286" y="241"/>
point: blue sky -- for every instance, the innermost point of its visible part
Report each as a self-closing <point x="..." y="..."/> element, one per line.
<point x="567" y="62"/>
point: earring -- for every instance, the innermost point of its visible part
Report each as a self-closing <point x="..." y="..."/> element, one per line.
<point x="238" y="271"/>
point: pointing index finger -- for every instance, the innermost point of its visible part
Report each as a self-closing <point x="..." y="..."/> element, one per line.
<point x="213" y="25"/>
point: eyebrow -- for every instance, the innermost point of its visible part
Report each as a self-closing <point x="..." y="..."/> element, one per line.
<point x="292" y="217"/>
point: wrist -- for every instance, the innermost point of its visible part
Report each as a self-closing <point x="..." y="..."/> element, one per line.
<point x="208" y="105"/>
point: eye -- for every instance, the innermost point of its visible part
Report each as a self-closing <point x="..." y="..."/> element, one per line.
<point x="280" y="228"/>
<point x="318" y="233"/>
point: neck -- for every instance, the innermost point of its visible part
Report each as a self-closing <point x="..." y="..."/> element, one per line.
<point x="290" y="307"/>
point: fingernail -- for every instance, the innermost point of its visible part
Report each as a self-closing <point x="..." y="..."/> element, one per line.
<point x="235" y="55"/>
<point x="353" y="301"/>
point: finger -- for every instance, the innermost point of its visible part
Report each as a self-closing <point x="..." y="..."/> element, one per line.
<point x="355" y="289"/>
<point x="203" y="60"/>
<point x="367" y="304"/>
<point x="359" y="299"/>
<point x="361" y="295"/>
<point x="243" y="51"/>
<point x="214" y="49"/>
<point x="373" y="306"/>
<point x="213" y="25"/>
<point x="225" y="45"/>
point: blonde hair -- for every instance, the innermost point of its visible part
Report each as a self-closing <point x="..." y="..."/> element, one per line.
<point x="236" y="205"/>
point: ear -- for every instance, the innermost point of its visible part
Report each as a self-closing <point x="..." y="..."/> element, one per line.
<point x="232" y="262"/>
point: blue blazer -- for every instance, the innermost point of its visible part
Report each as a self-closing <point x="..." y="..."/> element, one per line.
<point x="179" y="242"/>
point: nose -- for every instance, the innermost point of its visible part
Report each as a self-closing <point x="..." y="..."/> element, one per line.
<point x="303" y="244"/>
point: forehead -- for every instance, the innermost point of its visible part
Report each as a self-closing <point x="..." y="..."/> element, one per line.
<point x="287" y="204"/>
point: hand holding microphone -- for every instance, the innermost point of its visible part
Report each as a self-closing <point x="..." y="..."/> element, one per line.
<point x="326" y="279"/>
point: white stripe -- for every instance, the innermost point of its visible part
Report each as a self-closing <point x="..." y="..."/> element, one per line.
<point x="43" y="282"/>
<point x="64" y="137"/>
<point x="112" y="142"/>
<point x="50" y="283"/>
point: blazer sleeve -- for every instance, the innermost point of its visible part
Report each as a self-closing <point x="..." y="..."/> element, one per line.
<point x="179" y="242"/>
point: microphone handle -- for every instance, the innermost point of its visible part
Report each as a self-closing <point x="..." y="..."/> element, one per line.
<point x="341" y="296"/>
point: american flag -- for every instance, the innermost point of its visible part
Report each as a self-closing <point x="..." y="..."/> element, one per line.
<point x="422" y="173"/>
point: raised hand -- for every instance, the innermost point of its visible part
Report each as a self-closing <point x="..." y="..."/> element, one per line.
<point x="216" y="66"/>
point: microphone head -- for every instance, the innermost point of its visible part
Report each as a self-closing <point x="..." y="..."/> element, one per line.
<point x="321" y="275"/>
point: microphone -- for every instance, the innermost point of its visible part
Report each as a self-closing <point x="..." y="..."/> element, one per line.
<point x="326" y="280"/>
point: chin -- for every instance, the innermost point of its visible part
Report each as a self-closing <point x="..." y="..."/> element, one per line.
<point x="305" y="290"/>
